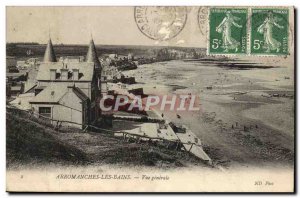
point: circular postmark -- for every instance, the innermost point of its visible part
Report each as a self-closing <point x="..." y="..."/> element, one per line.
<point x="202" y="19"/>
<point x="160" y="22"/>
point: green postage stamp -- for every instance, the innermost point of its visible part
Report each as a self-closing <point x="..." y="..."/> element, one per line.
<point x="233" y="32"/>
<point x="269" y="31"/>
<point x="228" y="31"/>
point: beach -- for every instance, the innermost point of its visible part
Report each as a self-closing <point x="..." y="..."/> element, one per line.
<point x="246" y="115"/>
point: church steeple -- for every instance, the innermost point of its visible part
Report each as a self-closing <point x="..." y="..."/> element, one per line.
<point x="49" y="53"/>
<point x="92" y="55"/>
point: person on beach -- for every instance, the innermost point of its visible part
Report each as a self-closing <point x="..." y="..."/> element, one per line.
<point x="225" y="27"/>
<point x="266" y="28"/>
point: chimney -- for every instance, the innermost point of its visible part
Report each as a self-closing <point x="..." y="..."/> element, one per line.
<point x="75" y="74"/>
<point x="52" y="74"/>
<point x="64" y="74"/>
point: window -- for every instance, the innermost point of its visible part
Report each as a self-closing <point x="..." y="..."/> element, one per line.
<point x="45" y="111"/>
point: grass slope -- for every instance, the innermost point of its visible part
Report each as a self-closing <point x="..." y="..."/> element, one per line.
<point x="31" y="143"/>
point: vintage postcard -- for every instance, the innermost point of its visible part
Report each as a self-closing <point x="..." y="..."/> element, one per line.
<point x="150" y="99"/>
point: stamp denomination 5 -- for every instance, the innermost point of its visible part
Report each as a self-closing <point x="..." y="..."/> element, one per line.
<point x="269" y="31"/>
<point x="227" y="31"/>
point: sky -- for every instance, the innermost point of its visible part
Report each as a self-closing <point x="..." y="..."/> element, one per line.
<point x="74" y="25"/>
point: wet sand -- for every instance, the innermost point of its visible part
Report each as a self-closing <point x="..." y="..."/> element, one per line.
<point x="241" y="122"/>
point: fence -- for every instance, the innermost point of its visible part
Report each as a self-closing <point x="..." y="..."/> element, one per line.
<point x="138" y="118"/>
<point x="49" y="122"/>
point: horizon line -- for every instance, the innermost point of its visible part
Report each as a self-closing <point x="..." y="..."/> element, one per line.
<point x="37" y="43"/>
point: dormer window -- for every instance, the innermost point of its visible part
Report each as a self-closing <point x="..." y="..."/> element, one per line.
<point x="75" y="74"/>
<point x="64" y="74"/>
<point x="52" y="74"/>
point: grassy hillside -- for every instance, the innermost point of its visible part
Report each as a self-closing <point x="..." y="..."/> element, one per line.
<point x="30" y="143"/>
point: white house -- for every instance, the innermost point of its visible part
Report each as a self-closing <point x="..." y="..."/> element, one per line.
<point x="68" y="91"/>
<point x="63" y="103"/>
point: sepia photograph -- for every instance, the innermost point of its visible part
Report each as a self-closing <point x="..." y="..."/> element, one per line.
<point x="150" y="99"/>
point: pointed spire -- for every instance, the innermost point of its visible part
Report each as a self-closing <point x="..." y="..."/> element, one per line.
<point x="92" y="54"/>
<point x="49" y="32"/>
<point x="49" y="53"/>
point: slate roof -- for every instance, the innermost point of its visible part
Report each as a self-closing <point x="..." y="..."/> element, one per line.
<point x="86" y="70"/>
<point x="80" y="94"/>
<point x="16" y="74"/>
<point x="55" y="92"/>
<point x="92" y="55"/>
<point x="51" y="94"/>
<point x="49" y="55"/>
<point x="22" y="101"/>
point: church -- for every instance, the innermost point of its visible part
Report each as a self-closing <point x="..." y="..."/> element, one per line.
<point x="68" y="90"/>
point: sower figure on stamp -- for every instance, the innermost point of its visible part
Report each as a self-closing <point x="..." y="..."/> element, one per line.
<point x="225" y="28"/>
<point x="267" y="30"/>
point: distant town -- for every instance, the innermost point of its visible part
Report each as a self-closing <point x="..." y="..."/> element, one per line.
<point x="62" y="87"/>
<point x="23" y="59"/>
